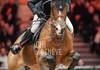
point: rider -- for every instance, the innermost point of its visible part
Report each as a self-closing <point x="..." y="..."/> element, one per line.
<point x="36" y="8"/>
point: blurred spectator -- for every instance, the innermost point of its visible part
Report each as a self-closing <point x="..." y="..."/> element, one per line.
<point x="85" y="17"/>
<point x="3" y="59"/>
<point x="9" y="21"/>
<point x="95" y="47"/>
<point x="2" y="3"/>
<point x="79" y="13"/>
<point x="9" y="12"/>
<point x="9" y="15"/>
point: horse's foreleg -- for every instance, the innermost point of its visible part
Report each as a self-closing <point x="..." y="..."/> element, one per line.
<point x="14" y="61"/>
<point x="75" y="57"/>
<point x="35" y="67"/>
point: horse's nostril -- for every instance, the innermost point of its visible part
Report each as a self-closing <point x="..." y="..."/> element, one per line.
<point x="61" y="31"/>
<point x="56" y="28"/>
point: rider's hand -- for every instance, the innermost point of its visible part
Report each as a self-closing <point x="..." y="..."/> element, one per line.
<point x="41" y="14"/>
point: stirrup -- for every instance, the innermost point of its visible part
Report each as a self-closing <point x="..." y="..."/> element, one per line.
<point x="15" y="49"/>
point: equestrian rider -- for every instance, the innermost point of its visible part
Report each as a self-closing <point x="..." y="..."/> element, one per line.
<point x="36" y="8"/>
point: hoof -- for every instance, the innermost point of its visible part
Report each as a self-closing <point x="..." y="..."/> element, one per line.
<point x="50" y="59"/>
<point x="76" y="57"/>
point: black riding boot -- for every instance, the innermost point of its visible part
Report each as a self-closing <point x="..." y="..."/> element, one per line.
<point x="26" y="37"/>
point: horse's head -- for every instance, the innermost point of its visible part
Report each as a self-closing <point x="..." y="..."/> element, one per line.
<point x="59" y="12"/>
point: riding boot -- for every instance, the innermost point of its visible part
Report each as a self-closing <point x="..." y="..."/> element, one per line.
<point x="29" y="35"/>
<point x="25" y="38"/>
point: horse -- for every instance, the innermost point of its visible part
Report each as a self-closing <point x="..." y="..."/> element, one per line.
<point x="57" y="39"/>
<point x="54" y="46"/>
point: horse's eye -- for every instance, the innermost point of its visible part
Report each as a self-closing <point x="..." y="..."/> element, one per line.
<point x="56" y="28"/>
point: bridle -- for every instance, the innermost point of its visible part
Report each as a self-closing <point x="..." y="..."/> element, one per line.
<point x="58" y="11"/>
<point x="58" y="8"/>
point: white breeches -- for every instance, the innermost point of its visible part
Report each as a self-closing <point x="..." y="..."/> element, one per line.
<point x="36" y="24"/>
<point x="69" y="25"/>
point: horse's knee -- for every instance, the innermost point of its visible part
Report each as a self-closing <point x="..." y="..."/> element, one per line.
<point x="11" y="66"/>
<point x="13" y="61"/>
<point x="49" y="59"/>
<point x="74" y="55"/>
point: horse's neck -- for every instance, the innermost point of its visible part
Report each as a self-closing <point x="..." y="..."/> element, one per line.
<point x="46" y="31"/>
<point x="59" y="40"/>
<point x="47" y="36"/>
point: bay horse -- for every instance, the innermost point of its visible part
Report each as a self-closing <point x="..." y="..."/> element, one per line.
<point x="54" y="46"/>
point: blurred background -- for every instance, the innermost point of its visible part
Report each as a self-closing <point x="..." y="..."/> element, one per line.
<point x="15" y="17"/>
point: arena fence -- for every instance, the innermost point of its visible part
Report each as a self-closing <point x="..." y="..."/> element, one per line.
<point x="82" y="68"/>
<point x="76" y="68"/>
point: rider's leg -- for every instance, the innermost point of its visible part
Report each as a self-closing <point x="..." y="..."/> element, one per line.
<point x="69" y="25"/>
<point x="27" y="35"/>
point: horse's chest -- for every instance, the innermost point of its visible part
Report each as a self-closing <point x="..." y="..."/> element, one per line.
<point x="58" y="48"/>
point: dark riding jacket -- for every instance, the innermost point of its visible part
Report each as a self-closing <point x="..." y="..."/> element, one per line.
<point x="36" y="6"/>
<point x="33" y="4"/>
